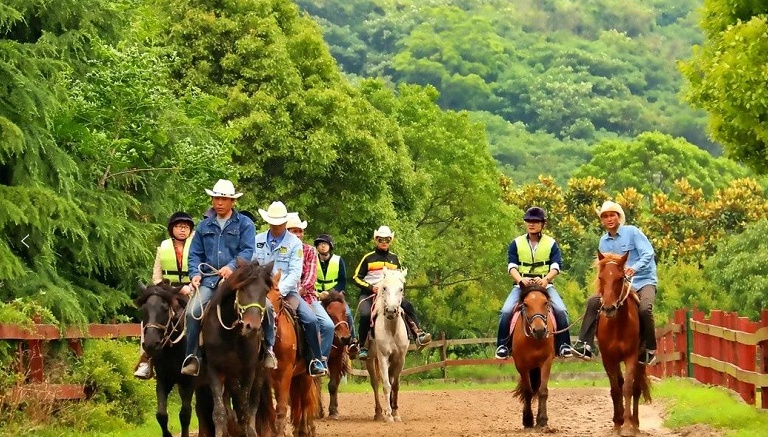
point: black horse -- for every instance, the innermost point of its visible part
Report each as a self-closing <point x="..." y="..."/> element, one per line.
<point x="234" y="361"/>
<point x="162" y="315"/>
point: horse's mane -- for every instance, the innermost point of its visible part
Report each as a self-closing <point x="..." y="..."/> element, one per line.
<point x="245" y="273"/>
<point x="164" y="290"/>
<point x="531" y="288"/>
<point x="333" y="296"/>
<point x="600" y="263"/>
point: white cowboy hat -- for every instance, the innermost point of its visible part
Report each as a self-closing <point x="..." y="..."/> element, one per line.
<point x="276" y="214"/>
<point x="609" y="206"/>
<point x="223" y="188"/>
<point x="295" y="222"/>
<point x="383" y="232"/>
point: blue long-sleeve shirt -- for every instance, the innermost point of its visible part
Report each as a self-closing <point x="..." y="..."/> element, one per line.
<point x="287" y="254"/>
<point x="630" y="239"/>
<point x="220" y="247"/>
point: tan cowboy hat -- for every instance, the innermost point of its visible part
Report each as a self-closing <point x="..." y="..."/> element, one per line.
<point x="223" y="188"/>
<point x="276" y="214"/>
<point x="609" y="206"/>
<point x="295" y="222"/>
<point x="383" y="232"/>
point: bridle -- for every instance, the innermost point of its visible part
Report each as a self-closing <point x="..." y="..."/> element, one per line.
<point x="527" y="330"/>
<point x="623" y="296"/>
<point x="240" y="310"/>
<point x="169" y="328"/>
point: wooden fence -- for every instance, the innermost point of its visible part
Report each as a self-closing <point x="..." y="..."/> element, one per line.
<point x="724" y="350"/>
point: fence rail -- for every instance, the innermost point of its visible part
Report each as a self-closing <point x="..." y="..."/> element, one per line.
<point x="722" y="349"/>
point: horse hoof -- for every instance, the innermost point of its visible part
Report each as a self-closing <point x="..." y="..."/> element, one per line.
<point x="378" y="417"/>
<point x="627" y="432"/>
<point x="397" y="419"/>
<point x="334" y="417"/>
<point x="389" y="419"/>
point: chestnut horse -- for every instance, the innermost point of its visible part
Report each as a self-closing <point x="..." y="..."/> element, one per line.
<point x="291" y="380"/>
<point x="388" y="345"/>
<point x="618" y="338"/>
<point x="533" y="346"/>
<point x="338" y="363"/>
<point x="232" y="340"/>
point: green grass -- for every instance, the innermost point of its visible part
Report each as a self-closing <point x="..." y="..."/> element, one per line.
<point x="690" y="403"/>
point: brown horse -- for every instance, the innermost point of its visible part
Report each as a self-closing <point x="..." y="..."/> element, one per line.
<point x="618" y="337"/>
<point x="338" y="363"/>
<point x="291" y="380"/>
<point x="533" y="346"/>
<point x="232" y="337"/>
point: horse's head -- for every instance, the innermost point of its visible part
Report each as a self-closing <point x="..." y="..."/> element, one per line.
<point x="160" y="307"/>
<point x="535" y="310"/>
<point x="251" y="283"/>
<point x="612" y="285"/>
<point x="336" y="307"/>
<point x="390" y="294"/>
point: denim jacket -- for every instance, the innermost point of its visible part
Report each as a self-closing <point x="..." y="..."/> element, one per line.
<point x="630" y="239"/>
<point x="219" y="247"/>
<point x="288" y="257"/>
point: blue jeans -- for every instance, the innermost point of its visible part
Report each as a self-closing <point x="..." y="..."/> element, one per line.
<point x="194" y="315"/>
<point x="268" y="325"/>
<point x="308" y="321"/>
<point x="325" y="325"/>
<point x="558" y="307"/>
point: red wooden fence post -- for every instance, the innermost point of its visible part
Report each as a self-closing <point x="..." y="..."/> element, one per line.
<point x="716" y="348"/>
<point x="745" y="359"/>
<point x="764" y="360"/>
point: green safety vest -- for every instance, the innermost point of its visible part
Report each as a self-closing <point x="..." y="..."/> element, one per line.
<point x="168" y="262"/>
<point x="534" y="264"/>
<point x="331" y="277"/>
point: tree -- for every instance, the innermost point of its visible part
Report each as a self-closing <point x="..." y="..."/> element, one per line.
<point x="726" y="77"/>
<point x="653" y="162"/>
<point x="738" y="269"/>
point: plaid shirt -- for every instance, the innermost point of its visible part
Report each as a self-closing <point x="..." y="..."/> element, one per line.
<point x="308" y="274"/>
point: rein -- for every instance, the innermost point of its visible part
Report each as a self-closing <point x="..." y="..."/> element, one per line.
<point x="173" y="325"/>
<point x="623" y="296"/>
<point x="240" y="309"/>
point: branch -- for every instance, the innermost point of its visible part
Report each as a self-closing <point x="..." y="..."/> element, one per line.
<point x="442" y="284"/>
<point x="136" y="170"/>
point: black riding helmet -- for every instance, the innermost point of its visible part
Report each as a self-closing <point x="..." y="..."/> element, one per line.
<point x="324" y="238"/>
<point x="535" y="213"/>
<point x="179" y="217"/>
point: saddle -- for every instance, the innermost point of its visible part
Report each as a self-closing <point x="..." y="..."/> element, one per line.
<point x="290" y="306"/>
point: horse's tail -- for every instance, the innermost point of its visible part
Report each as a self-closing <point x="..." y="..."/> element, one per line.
<point x="523" y="393"/>
<point x="645" y="384"/>
<point x="265" y="414"/>
<point x="305" y="401"/>
<point x="346" y="363"/>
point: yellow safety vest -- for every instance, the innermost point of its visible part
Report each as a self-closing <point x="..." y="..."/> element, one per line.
<point x="331" y="277"/>
<point x="168" y="262"/>
<point x="534" y="264"/>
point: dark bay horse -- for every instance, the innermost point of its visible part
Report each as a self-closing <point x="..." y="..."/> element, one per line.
<point x="338" y="363"/>
<point x="533" y="349"/>
<point x="291" y="380"/>
<point x="162" y="317"/>
<point x="618" y="337"/>
<point x="232" y="340"/>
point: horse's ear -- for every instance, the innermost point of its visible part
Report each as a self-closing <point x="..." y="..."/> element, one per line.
<point x="176" y="290"/>
<point x="404" y="272"/>
<point x="624" y="258"/>
<point x="142" y="287"/>
<point x="600" y="255"/>
<point x="277" y="275"/>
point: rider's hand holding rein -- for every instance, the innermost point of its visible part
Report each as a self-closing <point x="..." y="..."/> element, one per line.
<point x="195" y="283"/>
<point x="225" y="272"/>
<point x="629" y="272"/>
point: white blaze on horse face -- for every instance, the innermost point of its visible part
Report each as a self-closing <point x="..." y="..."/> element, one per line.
<point x="391" y="292"/>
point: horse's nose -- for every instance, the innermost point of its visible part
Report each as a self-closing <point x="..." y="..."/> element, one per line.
<point x="345" y="341"/>
<point x="540" y="333"/>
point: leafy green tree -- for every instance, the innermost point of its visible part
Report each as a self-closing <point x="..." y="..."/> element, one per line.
<point x="738" y="270"/>
<point x="726" y="77"/>
<point x="653" y="162"/>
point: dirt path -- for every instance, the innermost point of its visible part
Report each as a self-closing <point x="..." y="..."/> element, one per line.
<point x="579" y="412"/>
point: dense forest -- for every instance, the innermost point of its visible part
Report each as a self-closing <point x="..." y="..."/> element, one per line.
<point x="442" y="119"/>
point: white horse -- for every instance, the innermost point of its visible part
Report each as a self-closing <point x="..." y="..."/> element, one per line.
<point x="390" y="344"/>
